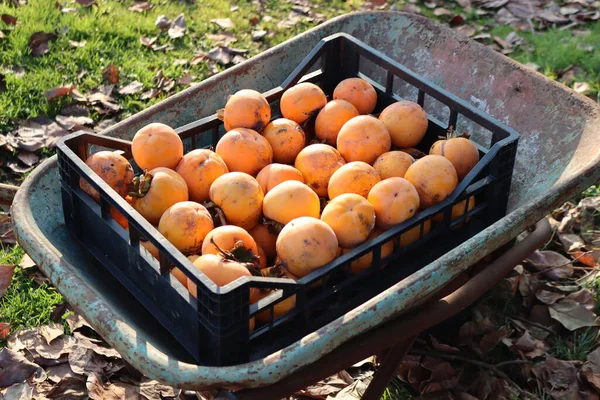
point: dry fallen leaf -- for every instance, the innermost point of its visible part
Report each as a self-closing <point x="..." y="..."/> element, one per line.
<point x="151" y="389"/>
<point x="162" y="22"/>
<point x="224" y="23"/>
<point x="178" y="27"/>
<point x="489" y="341"/>
<point x="14" y="368"/>
<point x="61" y="371"/>
<point x="222" y="39"/>
<point x="572" y="315"/>
<point x="9" y="19"/>
<point x="558" y="377"/>
<point x="51" y="332"/>
<point x="70" y="388"/>
<point x="531" y="346"/>
<point x="6" y="234"/>
<point x="72" y="123"/>
<point x="591" y="368"/>
<point x="38" y="43"/>
<point x="111" y="73"/>
<point x="148" y="42"/>
<point x="186" y="79"/>
<point x="4" y="330"/>
<point x="553" y="265"/>
<point x="292" y="20"/>
<point x="548" y="297"/>
<point x="257" y="35"/>
<point x="19" y="391"/>
<point x="86" y="3"/>
<point x="582" y="87"/>
<point x="441" y="346"/>
<point x="465" y="30"/>
<point x="59" y="92"/>
<point x="583" y="297"/>
<point x="141" y="6"/>
<point x="131" y="88"/>
<point x="35" y="133"/>
<point x="6" y="273"/>
<point x="438" y="12"/>
<point x="77" y="44"/>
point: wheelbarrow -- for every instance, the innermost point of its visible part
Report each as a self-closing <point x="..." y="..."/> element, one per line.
<point x="556" y="158"/>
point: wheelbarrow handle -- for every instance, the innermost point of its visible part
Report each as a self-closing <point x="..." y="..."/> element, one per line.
<point x="394" y="332"/>
<point x="7" y="193"/>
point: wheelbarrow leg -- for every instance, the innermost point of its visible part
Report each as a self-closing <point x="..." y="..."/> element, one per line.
<point x="387" y="369"/>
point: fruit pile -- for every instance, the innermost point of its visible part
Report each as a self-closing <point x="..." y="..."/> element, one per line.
<point x="284" y="197"/>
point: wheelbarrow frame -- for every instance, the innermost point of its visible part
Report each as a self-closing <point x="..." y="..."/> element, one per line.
<point x="36" y="203"/>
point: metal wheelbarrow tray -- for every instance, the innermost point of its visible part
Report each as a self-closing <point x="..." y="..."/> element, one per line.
<point x="557" y="156"/>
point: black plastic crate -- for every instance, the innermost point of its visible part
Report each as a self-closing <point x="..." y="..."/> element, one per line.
<point x="214" y="327"/>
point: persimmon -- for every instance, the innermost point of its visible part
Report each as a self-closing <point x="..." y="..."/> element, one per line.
<point x="460" y="151"/>
<point x="156" y="145"/>
<point x="112" y="168"/>
<point x="279" y="309"/>
<point x="244" y="150"/>
<point x="286" y="138"/>
<point x="394" y="200"/>
<point x="393" y="164"/>
<point x="355" y="177"/>
<point x="156" y="191"/>
<point x="266" y="238"/>
<point x="274" y="174"/>
<point x="290" y="200"/>
<point x="222" y="272"/>
<point x="363" y="138"/>
<point x="200" y="168"/>
<point x="246" y="108"/>
<point x="119" y="218"/>
<point x="240" y="198"/>
<point x="351" y="217"/>
<point x="262" y="257"/>
<point x="434" y="177"/>
<point x="406" y="122"/>
<point x="358" y="92"/>
<point x="331" y="119"/>
<point x="302" y="101"/>
<point x="458" y="210"/>
<point x="306" y="244"/>
<point x="317" y="162"/>
<point x="185" y="225"/>
<point x="229" y="238"/>
<point x="180" y="276"/>
<point x="150" y="247"/>
<point x="414" y="234"/>
<point x="365" y="261"/>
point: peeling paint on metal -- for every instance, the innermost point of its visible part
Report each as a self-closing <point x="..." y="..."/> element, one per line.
<point x="549" y="168"/>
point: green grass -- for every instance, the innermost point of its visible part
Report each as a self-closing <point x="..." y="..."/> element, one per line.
<point x="396" y="390"/>
<point x="25" y="304"/>
<point x="576" y="346"/>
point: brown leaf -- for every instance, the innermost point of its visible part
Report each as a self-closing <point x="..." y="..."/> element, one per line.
<point x="224" y="23"/>
<point x="58" y="311"/>
<point x="571" y="242"/>
<point x="58" y="372"/>
<point x="131" y="88"/>
<point x="71" y="122"/>
<point x="148" y="42"/>
<point x="141" y="6"/>
<point x="326" y="387"/>
<point x="465" y="30"/>
<point x="84" y="360"/>
<point x="257" y="35"/>
<point x="35" y="133"/>
<point x="14" y="368"/>
<point x="554" y="266"/>
<point x="85" y="342"/>
<point x="442" y="347"/>
<point x="86" y="3"/>
<point x="222" y="39"/>
<point x="75" y="321"/>
<point x="531" y="346"/>
<point x="411" y="8"/>
<point x="17" y="167"/>
<point x="185" y="79"/>
<point x="68" y="388"/>
<point x="550" y="16"/>
<point x="162" y="22"/>
<point x="489" y="341"/>
<point x="9" y="19"/>
<point x="591" y="368"/>
<point x="438" y="12"/>
<point x="494" y="3"/>
<point x="51" y="331"/>
<point x="38" y="43"/>
<point x="572" y="315"/>
<point x="582" y="87"/>
<point x="178" y="27"/>
<point x="6" y="273"/>
<point x="548" y="297"/>
<point x="111" y="73"/>
<point x="20" y="391"/>
<point x="77" y="44"/>
<point x="4" y="330"/>
<point x="583" y="297"/>
<point x="32" y="340"/>
<point x="558" y="377"/>
<point x="59" y="92"/>
<point x="6" y="236"/>
<point x="151" y="389"/>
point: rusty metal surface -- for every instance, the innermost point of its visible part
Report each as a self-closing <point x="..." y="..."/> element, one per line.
<point x="401" y="330"/>
<point x="557" y="157"/>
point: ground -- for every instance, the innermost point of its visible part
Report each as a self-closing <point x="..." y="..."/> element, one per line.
<point x="81" y="48"/>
